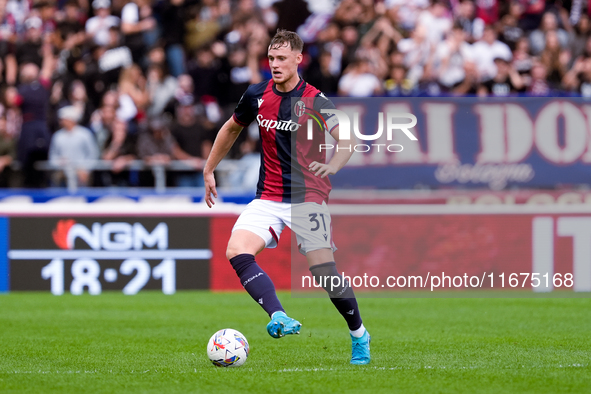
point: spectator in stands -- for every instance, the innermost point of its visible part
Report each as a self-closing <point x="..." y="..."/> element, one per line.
<point x="7" y="38"/>
<point x="555" y="59"/>
<point x="28" y="51"/>
<point x="7" y="154"/>
<point x="206" y="69"/>
<point x="76" y="96"/>
<point x="319" y="75"/>
<point x="581" y="33"/>
<point x="120" y="150"/>
<point x="532" y="14"/>
<point x="33" y="100"/>
<point x="246" y="174"/>
<point x="488" y="11"/>
<point x="350" y="38"/>
<point x="132" y="88"/>
<point x="56" y="101"/>
<point x="161" y="88"/>
<point x="194" y="142"/>
<point x="466" y="17"/>
<point x="139" y="28"/>
<point x="358" y="81"/>
<point x="329" y="40"/>
<point x="405" y="12"/>
<point x="184" y="90"/>
<point x="449" y="58"/>
<point x="578" y="78"/>
<point x="108" y="62"/>
<point x="11" y="111"/>
<point x="97" y="27"/>
<point x="417" y="51"/>
<point x="102" y="120"/>
<point x="538" y="85"/>
<point x="509" y="31"/>
<point x="437" y="20"/>
<point x="375" y="57"/>
<point x="469" y="86"/>
<point x="506" y="82"/>
<point x="522" y="60"/>
<point x="240" y="72"/>
<point x="156" y="55"/>
<point x="398" y="85"/>
<point x="155" y="145"/>
<point x="486" y="50"/>
<point x="173" y="33"/>
<point x="45" y="9"/>
<point x="73" y="145"/>
<point x="70" y="27"/>
<point x="537" y="37"/>
<point x="207" y="24"/>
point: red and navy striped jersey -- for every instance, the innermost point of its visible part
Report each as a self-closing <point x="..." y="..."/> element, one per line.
<point x="286" y="150"/>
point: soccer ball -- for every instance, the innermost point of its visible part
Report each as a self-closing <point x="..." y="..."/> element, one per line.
<point x="227" y="348"/>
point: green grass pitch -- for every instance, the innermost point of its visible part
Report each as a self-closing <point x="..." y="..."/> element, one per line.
<point x="150" y="342"/>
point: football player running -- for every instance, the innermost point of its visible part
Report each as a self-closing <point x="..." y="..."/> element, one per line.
<point x="292" y="190"/>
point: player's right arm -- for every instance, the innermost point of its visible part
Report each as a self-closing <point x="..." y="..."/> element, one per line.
<point x="223" y="142"/>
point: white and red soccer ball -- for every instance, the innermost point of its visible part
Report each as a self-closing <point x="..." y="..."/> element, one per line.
<point x="227" y="348"/>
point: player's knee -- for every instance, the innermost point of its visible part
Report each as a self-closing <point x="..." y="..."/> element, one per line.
<point x="236" y="248"/>
<point x="232" y="251"/>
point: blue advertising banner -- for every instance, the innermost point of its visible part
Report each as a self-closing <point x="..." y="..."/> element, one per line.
<point x="493" y="143"/>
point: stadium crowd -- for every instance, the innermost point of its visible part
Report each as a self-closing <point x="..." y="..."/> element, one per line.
<point x="151" y="80"/>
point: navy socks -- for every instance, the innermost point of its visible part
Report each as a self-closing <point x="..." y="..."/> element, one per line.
<point x="256" y="282"/>
<point x="342" y="296"/>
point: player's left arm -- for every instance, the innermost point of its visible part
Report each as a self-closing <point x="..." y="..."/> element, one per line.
<point x="338" y="160"/>
<point x="344" y="147"/>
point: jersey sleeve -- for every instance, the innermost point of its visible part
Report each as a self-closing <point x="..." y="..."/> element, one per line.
<point x="244" y="113"/>
<point x="322" y="102"/>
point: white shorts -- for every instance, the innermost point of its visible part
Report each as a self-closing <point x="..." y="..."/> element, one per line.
<point x="309" y="221"/>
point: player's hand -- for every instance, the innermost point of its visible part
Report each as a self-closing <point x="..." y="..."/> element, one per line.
<point x="209" y="181"/>
<point x="322" y="169"/>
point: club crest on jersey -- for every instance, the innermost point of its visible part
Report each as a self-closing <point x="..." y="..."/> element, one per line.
<point x="279" y="125"/>
<point x="299" y="108"/>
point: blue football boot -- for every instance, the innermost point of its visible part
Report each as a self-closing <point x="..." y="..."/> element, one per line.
<point x="360" y="349"/>
<point x="281" y="325"/>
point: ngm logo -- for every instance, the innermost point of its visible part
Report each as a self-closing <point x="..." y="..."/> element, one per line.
<point x="110" y="236"/>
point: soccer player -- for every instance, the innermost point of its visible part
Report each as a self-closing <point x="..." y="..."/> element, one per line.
<point x="292" y="182"/>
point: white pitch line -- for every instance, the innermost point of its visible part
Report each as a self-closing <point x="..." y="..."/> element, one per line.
<point x="575" y="365"/>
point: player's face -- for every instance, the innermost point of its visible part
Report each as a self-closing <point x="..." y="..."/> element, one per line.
<point x="284" y="62"/>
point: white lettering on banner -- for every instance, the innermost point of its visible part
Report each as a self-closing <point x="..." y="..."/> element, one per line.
<point x="530" y="199"/>
<point x="575" y="133"/>
<point x="543" y="241"/>
<point x="119" y="236"/>
<point x="508" y="134"/>
<point x="587" y="111"/>
<point x="543" y="251"/>
<point x="495" y="175"/>
<point x="579" y="228"/>
<point x="440" y="135"/>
